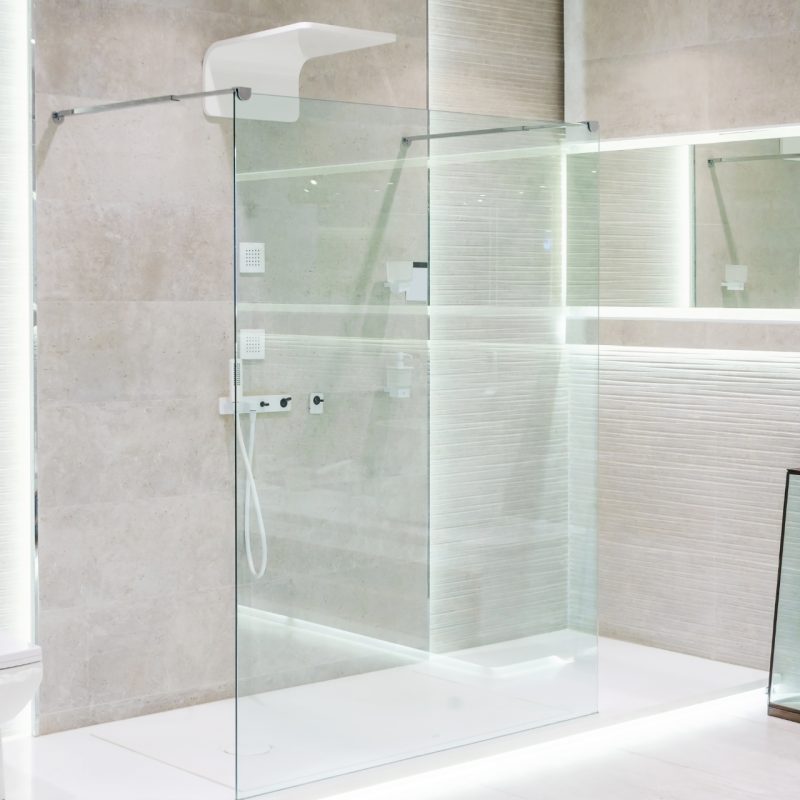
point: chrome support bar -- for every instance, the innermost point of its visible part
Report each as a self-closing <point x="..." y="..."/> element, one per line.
<point x="591" y="125"/>
<point x="770" y="157"/>
<point x="242" y="92"/>
<point x="481" y="132"/>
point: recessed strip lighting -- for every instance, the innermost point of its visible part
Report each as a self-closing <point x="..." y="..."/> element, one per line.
<point x="705" y="137"/>
<point x="16" y="374"/>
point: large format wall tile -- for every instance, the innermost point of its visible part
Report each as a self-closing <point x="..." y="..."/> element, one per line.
<point x="134" y="251"/>
<point x="677" y="66"/>
<point x="105" y="160"/>
<point x="730" y="20"/>
<point x="751" y="82"/>
<point x="118" y="51"/>
<point x="657" y="92"/>
<point x="144" y="656"/>
<point x="133" y="351"/>
<point x="131" y="450"/>
<point x="618" y="28"/>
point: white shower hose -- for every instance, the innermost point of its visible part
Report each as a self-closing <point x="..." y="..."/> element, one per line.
<point x="251" y="496"/>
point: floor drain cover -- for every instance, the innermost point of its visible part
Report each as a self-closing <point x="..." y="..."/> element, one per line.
<point x="245" y="751"/>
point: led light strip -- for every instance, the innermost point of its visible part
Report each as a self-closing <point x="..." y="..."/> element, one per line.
<point x="16" y="373"/>
<point x="704" y="137"/>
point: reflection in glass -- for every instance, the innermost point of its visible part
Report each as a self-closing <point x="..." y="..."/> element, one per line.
<point x="707" y="225"/>
<point x="748" y="224"/>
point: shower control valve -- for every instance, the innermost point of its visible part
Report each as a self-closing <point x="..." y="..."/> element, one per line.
<point x="315" y="401"/>
<point x="256" y="403"/>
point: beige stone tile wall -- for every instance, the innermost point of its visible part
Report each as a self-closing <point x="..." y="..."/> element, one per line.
<point x="136" y="551"/>
<point x="135" y="560"/>
<point x="649" y="66"/>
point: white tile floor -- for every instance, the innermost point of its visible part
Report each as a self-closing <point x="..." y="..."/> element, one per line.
<point x="725" y="750"/>
<point x="182" y="754"/>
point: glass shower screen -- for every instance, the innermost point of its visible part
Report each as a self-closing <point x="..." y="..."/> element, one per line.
<point x="415" y="434"/>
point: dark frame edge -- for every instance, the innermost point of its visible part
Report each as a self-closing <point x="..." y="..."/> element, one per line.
<point x="782" y="712"/>
<point x="773" y="709"/>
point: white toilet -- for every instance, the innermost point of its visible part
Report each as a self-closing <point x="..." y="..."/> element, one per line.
<point x="20" y="676"/>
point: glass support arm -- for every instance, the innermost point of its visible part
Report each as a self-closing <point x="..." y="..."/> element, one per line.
<point x="241" y="92"/>
<point x="591" y="125"/>
<point x="769" y="157"/>
<point x="481" y="132"/>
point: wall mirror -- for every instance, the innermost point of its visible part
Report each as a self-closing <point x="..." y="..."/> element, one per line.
<point x="706" y="222"/>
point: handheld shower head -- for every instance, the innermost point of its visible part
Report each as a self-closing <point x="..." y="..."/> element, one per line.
<point x="235" y="379"/>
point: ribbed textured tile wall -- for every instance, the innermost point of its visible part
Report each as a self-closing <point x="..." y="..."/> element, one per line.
<point x="582" y="370"/>
<point x="498" y="493"/>
<point x="505" y="57"/>
<point x="694" y="448"/>
<point x="645" y="219"/>
<point x="501" y="394"/>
